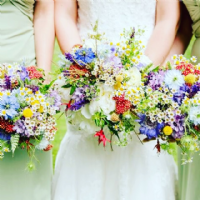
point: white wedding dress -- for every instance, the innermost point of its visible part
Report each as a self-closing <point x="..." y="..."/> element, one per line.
<point x="86" y="171"/>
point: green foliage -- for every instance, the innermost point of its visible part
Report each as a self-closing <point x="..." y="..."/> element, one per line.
<point x="14" y="142"/>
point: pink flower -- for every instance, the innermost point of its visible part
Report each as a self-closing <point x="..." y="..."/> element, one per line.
<point x="102" y="137"/>
<point x="34" y="73"/>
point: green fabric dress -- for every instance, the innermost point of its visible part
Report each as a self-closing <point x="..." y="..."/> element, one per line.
<point x="17" y="43"/>
<point x="189" y="175"/>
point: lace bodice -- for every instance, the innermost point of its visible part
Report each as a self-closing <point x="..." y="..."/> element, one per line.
<point x="115" y="15"/>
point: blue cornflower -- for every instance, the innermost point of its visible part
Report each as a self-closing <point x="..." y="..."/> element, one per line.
<point x="148" y="128"/>
<point x="4" y="136"/>
<point x="8" y="107"/>
<point x="84" y="56"/>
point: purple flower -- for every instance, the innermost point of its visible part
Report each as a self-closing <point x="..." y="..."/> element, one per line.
<point x="69" y="57"/>
<point x="178" y="126"/>
<point x="8" y="84"/>
<point x="178" y="97"/>
<point x="33" y="88"/>
<point x="20" y="128"/>
<point x="79" y="94"/>
<point x="23" y="74"/>
<point x="148" y="128"/>
<point x="78" y="105"/>
<point x="57" y="99"/>
<point x="155" y="80"/>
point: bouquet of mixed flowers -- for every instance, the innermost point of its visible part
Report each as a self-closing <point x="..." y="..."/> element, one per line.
<point x="169" y="107"/>
<point x="102" y="84"/>
<point x="27" y="109"/>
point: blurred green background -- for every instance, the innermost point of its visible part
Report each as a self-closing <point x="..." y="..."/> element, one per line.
<point x="61" y="123"/>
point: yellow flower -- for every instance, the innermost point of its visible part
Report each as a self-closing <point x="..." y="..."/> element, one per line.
<point x="118" y="44"/>
<point x="6" y="149"/>
<point x="111" y="43"/>
<point x="117" y="85"/>
<point x="30" y="92"/>
<point x="119" y="78"/>
<point x="1" y="94"/>
<point x="177" y="62"/>
<point x="28" y="112"/>
<point x="190" y="78"/>
<point x="35" y="102"/>
<point x="167" y="130"/>
<point x="41" y="110"/>
<point x="3" y="112"/>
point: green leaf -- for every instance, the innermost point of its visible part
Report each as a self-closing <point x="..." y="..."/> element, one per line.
<point x="67" y="86"/>
<point x="14" y="142"/>
<point x="73" y="88"/>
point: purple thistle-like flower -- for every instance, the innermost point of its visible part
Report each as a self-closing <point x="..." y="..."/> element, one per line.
<point x="69" y="57"/>
<point x="78" y="105"/>
<point x="8" y="84"/>
<point x="178" y="126"/>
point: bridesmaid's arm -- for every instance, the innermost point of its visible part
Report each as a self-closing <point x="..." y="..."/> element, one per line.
<point x="167" y="22"/>
<point x="66" y="24"/>
<point x="44" y="33"/>
<point x="183" y="36"/>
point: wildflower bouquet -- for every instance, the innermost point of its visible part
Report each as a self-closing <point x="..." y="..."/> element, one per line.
<point x="27" y="108"/>
<point x="94" y="81"/>
<point x="169" y="107"/>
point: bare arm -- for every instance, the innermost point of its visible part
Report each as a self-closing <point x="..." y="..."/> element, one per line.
<point x="44" y="33"/>
<point x="66" y="24"/>
<point x="167" y="22"/>
<point x="183" y="36"/>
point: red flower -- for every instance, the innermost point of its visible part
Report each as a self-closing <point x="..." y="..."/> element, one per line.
<point x="102" y="137"/>
<point x="76" y="71"/>
<point x="187" y="68"/>
<point x="34" y="73"/>
<point x="122" y="105"/>
<point x="6" y="125"/>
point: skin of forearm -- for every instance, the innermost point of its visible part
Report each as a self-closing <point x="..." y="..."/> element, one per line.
<point x="161" y="42"/>
<point x="66" y="25"/>
<point x="44" y="35"/>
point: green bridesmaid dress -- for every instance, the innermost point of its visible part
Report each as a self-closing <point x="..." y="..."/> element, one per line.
<point x="189" y="175"/>
<point x="17" y="43"/>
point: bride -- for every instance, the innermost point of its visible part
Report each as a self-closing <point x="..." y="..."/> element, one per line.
<point x="85" y="171"/>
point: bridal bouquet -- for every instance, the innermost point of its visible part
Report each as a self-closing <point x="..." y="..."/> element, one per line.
<point x="102" y="84"/>
<point x="27" y="109"/>
<point x="169" y="107"/>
